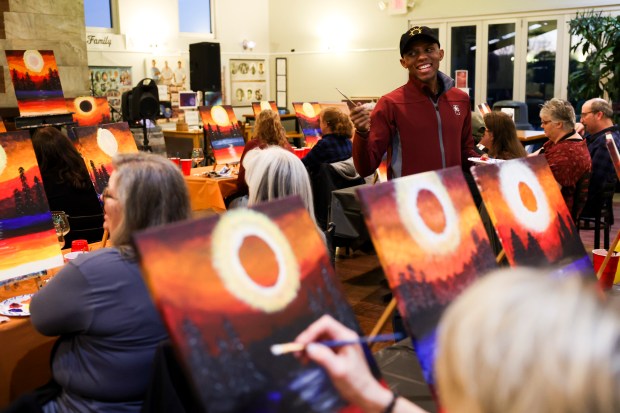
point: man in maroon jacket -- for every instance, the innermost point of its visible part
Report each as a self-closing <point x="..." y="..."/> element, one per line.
<point x="423" y="125"/>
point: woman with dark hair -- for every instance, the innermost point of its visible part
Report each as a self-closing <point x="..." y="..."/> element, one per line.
<point x="335" y="144"/>
<point x="500" y="137"/>
<point x="268" y="131"/>
<point x="98" y="303"/>
<point x="67" y="184"/>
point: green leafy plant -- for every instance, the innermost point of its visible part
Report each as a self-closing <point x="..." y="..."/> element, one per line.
<point x="600" y="41"/>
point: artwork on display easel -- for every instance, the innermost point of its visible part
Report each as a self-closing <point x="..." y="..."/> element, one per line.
<point x="484" y="108"/>
<point x="28" y="240"/>
<point x="34" y="74"/>
<point x="344" y="108"/>
<point x="258" y="107"/>
<point x="431" y="244"/>
<point x="264" y="277"/>
<point x="88" y="110"/>
<point x="2" y="127"/>
<point x="223" y="133"/>
<point x="529" y="214"/>
<point x="99" y="144"/>
<point x="110" y="82"/>
<point x="308" y="117"/>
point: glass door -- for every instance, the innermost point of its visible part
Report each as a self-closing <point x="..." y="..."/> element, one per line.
<point x="500" y="41"/>
<point x="462" y="57"/>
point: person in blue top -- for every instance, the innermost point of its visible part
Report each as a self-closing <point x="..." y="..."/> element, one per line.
<point x="335" y="144"/>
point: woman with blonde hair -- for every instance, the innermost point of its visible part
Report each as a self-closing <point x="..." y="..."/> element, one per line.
<point x="516" y="341"/>
<point x="268" y="131"/>
<point x="500" y="137"/>
<point x="335" y="144"/>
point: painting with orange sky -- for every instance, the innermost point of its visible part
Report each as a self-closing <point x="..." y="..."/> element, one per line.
<point x="229" y="287"/>
<point x="99" y="144"/>
<point x="344" y="108"/>
<point x="27" y="238"/>
<point x="89" y="110"/>
<point x="36" y="81"/>
<point x="532" y="221"/>
<point x="223" y="133"/>
<point x="431" y="244"/>
<point x="308" y="117"/>
<point x="258" y="107"/>
<point x="2" y="127"/>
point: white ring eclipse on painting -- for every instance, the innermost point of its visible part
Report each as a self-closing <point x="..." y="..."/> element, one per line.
<point x="107" y="142"/>
<point x="3" y="159"/>
<point x="220" y="116"/>
<point x="227" y="239"/>
<point x="33" y="60"/>
<point x="407" y="193"/>
<point x="510" y="176"/>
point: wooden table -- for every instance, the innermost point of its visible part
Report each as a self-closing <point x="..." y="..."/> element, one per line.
<point x="530" y="136"/>
<point x="25" y="354"/>
<point x="209" y="193"/>
<point x="196" y="135"/>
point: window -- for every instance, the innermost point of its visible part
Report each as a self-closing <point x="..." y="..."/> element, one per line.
<point x="195" y="16"/>
<point x="540" y="67"/>
<point x="463" y="56"/>
<point x="98" y="13"/>
<point x="500" y="63"/>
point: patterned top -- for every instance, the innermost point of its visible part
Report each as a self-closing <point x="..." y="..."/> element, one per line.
<point x="331" y="148"/>
<point x="569" y="161"/>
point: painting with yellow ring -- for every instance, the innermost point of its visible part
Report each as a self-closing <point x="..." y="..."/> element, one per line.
<point x="307" y="114"/>
<point x="231" y="286"/>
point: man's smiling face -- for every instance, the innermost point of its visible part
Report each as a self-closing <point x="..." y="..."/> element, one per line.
<point x="422" y="59"/>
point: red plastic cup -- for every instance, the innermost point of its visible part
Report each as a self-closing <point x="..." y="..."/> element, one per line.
<point x="299" y="152"/>
<point x="176" y="161"/>
<point x="307" y="150"/>
<point x="186" y="166"/>
<point x="79" y="245"/>
<point x="609" y="273"/>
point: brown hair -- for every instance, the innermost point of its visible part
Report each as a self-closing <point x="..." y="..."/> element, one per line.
<point x="338" y="121"/>
<point x="505" y="145"/>
<point x="269" y="130"/>
<point x="56" y="155"/>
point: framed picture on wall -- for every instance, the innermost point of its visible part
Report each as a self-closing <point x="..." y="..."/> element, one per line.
<point x="248" y="82"/>
<point x="281" y="82"/>
<point x="110" y="82"/>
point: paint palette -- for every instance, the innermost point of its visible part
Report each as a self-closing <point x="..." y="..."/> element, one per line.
<point x="485" y="161"/>
<point x="16" y="306"/>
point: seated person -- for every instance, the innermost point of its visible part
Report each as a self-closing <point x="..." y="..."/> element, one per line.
<point x="274" y="173"/>
<point x="566" y="153"/>
<point x="500" y="137"/>
<point x="596" y="117"/>
<point x="335" y="144"/>
<point x="268" y="130"/>
<point x="542" y="344"/>
<point x="67" y="184"/>
<point x="98" y="303"/>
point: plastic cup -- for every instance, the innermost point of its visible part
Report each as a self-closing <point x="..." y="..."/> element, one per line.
<point x="609" y="273"/>
<point x="79" y="245"/>
<point x="176" y="161"/>
<point x="299" y="152"/>
<point x="307" y="150"/>
<point x="186" y="166"/>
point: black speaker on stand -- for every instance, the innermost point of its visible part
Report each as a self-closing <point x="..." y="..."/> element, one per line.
<point x="205" y="67"/>
<point x="139" y="105"/>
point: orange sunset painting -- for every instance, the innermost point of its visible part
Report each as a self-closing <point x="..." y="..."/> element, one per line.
<point x="2" y="127"/>
<point x="431" y="244"/>
<point x="530" y="217"/>
<point x="308" y="117"/>
<point x="36" y="81"/>
<point x="223" y="132"/>
<point x="229" y="287"/>
<point x="258" y="107"/>
<point x="89" y="110"/>
<point x="99" y="144"/>
<point x="27" y="237"/>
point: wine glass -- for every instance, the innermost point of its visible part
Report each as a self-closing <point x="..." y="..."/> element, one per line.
<point x="61" y="225"/>
<point x="197" y="156"/>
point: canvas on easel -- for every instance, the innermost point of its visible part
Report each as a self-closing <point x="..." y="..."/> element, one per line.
<point x="232" y="286"/>
<point x="99" y="144"/>
<point x="34" y="74"/>
<point x="89" y="110"/>
<point x="258" y="107"/>
<point x="529" y="214"/>
<point x="223" y="133"/>
<point x="2" y="127"/>
<point x="344" y="108"/>
<point x="28" y="240"/>
<point x="431" y="244"/>
<point x="308" y="117"/>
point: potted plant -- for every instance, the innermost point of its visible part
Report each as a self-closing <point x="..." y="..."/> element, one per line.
<point x="600" y="73"/>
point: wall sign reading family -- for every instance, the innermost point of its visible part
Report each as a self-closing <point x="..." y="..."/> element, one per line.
<point x="248" y="81"/>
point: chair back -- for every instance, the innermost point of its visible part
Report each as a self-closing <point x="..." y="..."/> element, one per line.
<point x="581" y="196"/>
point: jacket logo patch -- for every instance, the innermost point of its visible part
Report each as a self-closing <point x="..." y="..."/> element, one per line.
<point x="457" y="110"/>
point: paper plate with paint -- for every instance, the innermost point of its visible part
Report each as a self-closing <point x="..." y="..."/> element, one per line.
<point x="16" y="306"/>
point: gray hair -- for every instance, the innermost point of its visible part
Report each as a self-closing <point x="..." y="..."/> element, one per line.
<point x="274" y="173"/>
<point x="521" y="340"/>
<point x="559" y="110"/>
<point x="151" y="192"/>
<point x="601" y="105"/>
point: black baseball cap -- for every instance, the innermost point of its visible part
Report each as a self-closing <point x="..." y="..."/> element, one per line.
<point x="415" y="32"/>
